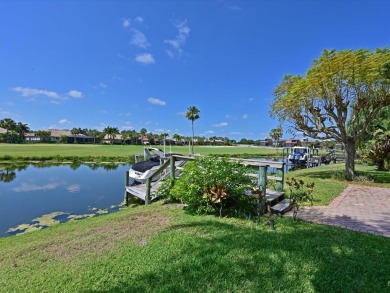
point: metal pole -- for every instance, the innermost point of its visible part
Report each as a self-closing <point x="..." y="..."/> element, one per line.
<point x="126" y="184"/>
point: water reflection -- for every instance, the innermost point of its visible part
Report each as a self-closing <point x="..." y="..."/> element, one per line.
<point x="36" y="196"/>
<point x="7" y="175"/>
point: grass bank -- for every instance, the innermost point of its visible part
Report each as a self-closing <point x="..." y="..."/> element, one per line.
<point x="160" y="248"/>
<point x="113" y="153"/>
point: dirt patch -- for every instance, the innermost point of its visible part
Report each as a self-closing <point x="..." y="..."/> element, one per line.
<point x="107" y="235"/>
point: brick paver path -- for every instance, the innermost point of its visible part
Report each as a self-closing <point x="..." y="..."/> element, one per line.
<point x="359" y="208"/>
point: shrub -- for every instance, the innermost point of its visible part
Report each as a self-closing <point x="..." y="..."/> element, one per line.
<point x="164" y="191"/>
<point x="216" y="186"/>
<point x="298" y="194"/>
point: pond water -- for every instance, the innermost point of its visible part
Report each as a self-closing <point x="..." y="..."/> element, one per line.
<point x="33" y="197"/>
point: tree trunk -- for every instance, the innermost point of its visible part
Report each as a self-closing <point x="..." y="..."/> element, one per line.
<point x="350" y="152"/>
<point x="192" y="147"/>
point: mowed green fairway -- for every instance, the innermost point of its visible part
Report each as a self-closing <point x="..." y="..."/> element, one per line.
<point x="98" y="150"/>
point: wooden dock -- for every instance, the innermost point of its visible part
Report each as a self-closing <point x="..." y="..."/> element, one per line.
<point x="147" y="191"/>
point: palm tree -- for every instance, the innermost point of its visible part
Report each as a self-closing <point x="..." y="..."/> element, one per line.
<point x="143" y="132"/>
<point x="74" y="132"/>
<point x="192" y="114"/>
<point x="276" y="135"/>
<point x="124" y="135"/>
<point x="42" y="134"/>
<point x="111" y="132"/>
<point x="8" y="124"/>
<point x="94" y="133"/>
<point x="22" y="129"/>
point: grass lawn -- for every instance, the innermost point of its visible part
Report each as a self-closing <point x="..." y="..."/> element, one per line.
<point x="329" y="182"/>
<point x="161" y="248"/>
<point x="126" y="151"/>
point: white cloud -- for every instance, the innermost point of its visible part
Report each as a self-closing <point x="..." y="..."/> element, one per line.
<point x="236" y="133"/>
<point x="138" y="19"/>
<point x="127" y="126"/>
<point x="64" y="122"/>
<point x="5" y="113"/>
<point x="209" y="132"/>
<point x="75" y="94"/>
<point x="161" y="130"/>
<point x="56" y="97"/>
<point x="234" y="8"/>
<point x="9" y="103"/>
<point x="102" y="85"/>
<point x="227" y="116"/>
<point x="138" y="39"/>
<point x="156" y="101"/>
<point x="145" y="58"/>
<point x="179" y="41"/>
<point x="222" y="124"/>
<point x="245" y="116"/>
<point x="126" y="22"/>
<point x="28" y="92"/>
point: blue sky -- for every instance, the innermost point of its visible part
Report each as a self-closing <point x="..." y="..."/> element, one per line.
<point x="141" y="64"/>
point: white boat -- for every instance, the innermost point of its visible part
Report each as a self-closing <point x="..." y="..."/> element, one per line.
<point x="141" y="171"/>
<point x="299" y="155"/>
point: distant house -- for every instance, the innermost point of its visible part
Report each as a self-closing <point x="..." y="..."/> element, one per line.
<point x="56" y="134"/>
<point x="292" y="142"/>
<point x="116" y="140"/>
<point x="305" y="142"/>
<point x="2" y="130"/>
<point x="144" y="139"/>
<point x="264" y="142"/>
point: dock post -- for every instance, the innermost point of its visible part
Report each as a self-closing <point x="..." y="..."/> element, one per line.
<point x="263" y="178"/>
<point x="126" y="184"/>
<point x="280" y="173"/>
<point x="147" y="195"/>
<point x="263" y="187"/>
<point x="172" y="167"/>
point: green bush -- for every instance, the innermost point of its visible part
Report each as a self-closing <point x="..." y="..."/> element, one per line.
<point x="164" y="191"/>
<point x="215" y="186"/>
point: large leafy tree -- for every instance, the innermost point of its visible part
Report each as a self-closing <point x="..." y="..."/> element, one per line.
<point x="192" y="114"/>
<point x="337" y="98"/>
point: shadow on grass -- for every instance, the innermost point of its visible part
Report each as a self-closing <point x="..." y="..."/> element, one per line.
<point x="214" y="256"/>
<point x="379" y="176"/>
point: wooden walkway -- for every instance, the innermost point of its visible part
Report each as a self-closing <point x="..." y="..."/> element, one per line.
<point x="139" y="190"/>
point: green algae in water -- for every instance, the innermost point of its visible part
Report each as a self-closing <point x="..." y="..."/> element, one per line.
<point x="48" y="219"/>
<point x="80" y="217"/>
<point x="23" y="228"/>
<point x="101" y="212"/>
